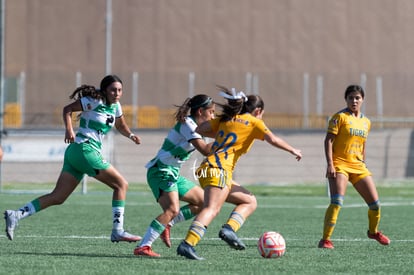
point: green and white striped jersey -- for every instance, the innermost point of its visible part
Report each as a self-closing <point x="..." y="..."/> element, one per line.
<point x="177" y="147"/>
<point x="96" y="120"/>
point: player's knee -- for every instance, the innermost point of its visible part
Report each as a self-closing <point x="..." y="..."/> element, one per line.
<point x="253" y="202"/>
<point x="172" y="211"/>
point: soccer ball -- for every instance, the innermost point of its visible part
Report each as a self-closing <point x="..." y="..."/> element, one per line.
<point x="271" y="245"/>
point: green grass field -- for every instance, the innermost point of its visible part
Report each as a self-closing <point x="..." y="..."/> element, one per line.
<point x="74" y="238"/>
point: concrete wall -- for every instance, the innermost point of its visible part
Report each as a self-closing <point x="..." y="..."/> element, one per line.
<point x="221" y="41"/>
<point x="390" y="155"/>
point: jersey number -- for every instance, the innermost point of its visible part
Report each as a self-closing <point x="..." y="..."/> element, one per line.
<point x="225" y="144"/>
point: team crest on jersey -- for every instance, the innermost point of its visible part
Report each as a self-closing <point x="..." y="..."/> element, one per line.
<point x="89" y="106"/>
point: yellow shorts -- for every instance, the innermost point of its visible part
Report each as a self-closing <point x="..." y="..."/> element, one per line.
<point x="355" y="173"/>
<point x="213" y="176"/>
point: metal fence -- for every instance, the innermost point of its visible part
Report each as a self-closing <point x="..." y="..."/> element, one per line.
<point x="292" y="100"/>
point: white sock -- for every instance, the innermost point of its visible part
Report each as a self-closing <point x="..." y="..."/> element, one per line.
<point x="118" y="218"/>
<point x="26" y="211"/>
<point x="179" y="218"/>
<point x="150" y="236"/>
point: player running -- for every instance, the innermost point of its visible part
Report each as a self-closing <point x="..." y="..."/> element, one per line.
<point x="234" y="131"/>
<point x="100" y="111"/>
<point x="163" y="174"/>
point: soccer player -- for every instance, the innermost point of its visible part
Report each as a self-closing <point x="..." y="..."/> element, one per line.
<point x="163" y="174"/>
<point x="100" y="110"/>
<point x="345" y="154"/>
<point x="234" y="131"/>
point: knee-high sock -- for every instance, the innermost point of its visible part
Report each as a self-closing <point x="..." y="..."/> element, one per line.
<point x="235" y="221"/>
<point x="185" y="214"/>
<point x="195" y="233"/>
<point x="29" y="209"/>
<point x="118" y="209"/>
<point x="331" y="216"/>
<point x="374" y="216"/>
<point x="153" y="232"/>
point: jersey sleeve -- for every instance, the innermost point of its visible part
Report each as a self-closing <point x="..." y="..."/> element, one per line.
<point x="88" y="103"/>
<point x="334" y="123"/>
<point x="187" y="129"/>
<point x="118" y="111"/>
<point x="260" y="129"/>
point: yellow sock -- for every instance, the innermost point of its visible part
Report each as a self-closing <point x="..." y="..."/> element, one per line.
<point x="235" y="221"/>
<point x="331" y="216"/>
<point x="195" y="233"/>
<point x="374" y="217"/>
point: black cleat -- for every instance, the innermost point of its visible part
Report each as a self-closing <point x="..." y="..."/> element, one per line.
<point x="228" y="235"/>
<point x="186" y="250"/>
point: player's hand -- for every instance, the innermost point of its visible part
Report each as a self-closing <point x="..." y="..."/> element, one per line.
<point x="69" y="136"/>
<point x="297" y="153"/>
<point x="136" y="139"/>
<point x="330" y="172"/>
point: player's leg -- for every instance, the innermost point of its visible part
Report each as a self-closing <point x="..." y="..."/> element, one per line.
<point x="245" y="202"/>
<point x="170" y="204"/>
<point x="337" y="189"/>
<point x="192" y="194"/>
<point x="111" y="177"/>
<point x="214" y="198"/>
<point x="65" y="185"/>
<point x="368" y="191"/>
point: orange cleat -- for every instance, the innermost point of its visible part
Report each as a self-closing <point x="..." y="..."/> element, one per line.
<point x="325" y="244"/>
<point x="379" y="237"/>
<point x="145" y="251"/>
<point x="165" y="236"/>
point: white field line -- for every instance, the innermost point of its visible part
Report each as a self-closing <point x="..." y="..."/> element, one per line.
<point x="76" y="237"/>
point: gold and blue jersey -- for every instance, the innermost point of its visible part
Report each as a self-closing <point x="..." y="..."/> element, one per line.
<point x="233" y="139"/>
<point x="351" y="133"/>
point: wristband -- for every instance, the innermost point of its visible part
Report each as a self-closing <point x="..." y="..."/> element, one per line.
<point x="131" y="135"/>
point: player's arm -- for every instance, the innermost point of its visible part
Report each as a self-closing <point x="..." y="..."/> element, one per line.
<point x="363" y="152"/>
<point x="203" y="147"/>
<point x="281" y="144"/>
<point x="123" y="128"/>
<point x="67" y="119"/>
<point x="206" y="130"/>
<point x="328" y="145"/>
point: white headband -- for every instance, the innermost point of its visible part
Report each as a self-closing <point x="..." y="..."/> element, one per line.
<point x="234" y="95"/>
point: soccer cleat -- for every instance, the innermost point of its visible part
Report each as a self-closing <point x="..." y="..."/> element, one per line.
<point x="11" y="223"/>
<point x="228" y="235"/>
<point x="325" y="244"/>
<point x="186" y="250"/>
<point x="123" y="236"/>
<point x="379" y="237"/>
<point x="145" y="251"/>
<point x="165" y="236"/>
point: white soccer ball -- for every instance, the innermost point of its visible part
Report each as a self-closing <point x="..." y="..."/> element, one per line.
<point x="271" y="245"/>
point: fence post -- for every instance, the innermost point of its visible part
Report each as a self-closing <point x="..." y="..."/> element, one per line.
<point x="305" y="122"/>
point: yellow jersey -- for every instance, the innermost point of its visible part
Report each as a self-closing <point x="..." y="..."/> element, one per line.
<point x="233" y="139"/>
<point x="351" y="134"/>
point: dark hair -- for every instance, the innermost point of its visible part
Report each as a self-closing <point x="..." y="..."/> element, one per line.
<point x="253" y="102"/>
<point x="91" y="91"/>
<point x="238" y="106"/>
<point x="193" y="104"/>
<point x="354" y="88"/>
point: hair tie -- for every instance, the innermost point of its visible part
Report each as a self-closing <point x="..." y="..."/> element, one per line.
<point x="235" y="95"/>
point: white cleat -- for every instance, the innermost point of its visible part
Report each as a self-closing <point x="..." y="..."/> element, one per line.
<point x="123" y="236"/>
<point x="11" y="223"/>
